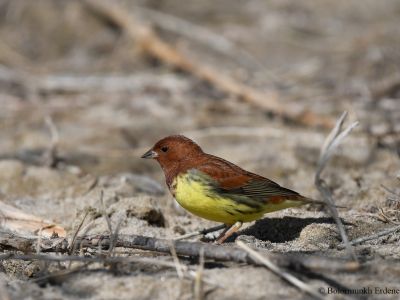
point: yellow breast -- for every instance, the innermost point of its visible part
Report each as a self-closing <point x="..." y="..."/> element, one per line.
<point x="198" y="198"/>
<point x="195" y="194"/>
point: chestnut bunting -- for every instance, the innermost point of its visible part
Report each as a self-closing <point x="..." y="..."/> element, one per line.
<point x="218" y="190"/>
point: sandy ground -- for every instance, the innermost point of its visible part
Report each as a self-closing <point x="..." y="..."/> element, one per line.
<point x="110" y="103"/>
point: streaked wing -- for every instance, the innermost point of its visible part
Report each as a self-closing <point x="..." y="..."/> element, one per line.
<point x="263" y="190"/>
<point x="234" y="181"/>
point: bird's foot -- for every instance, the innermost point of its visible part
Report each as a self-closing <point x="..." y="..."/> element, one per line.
<point x="228" y="232"/>
<point x="200" y="232"/>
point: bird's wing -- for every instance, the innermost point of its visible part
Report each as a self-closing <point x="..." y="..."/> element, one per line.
<point x="232" y="180"/>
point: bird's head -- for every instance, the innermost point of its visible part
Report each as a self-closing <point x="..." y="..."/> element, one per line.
<point x="172" y="150"/>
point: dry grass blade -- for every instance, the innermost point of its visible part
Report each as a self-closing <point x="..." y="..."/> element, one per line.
<point x="333" y="140"/>
<point x="114" y="237"/>
<point x="113" y="234"/>
<point x="72" y="247"/>
<point x="104" y="213"/>
<point x="329" y="139"/>
<point x="281" y="273"/>
<point x="50" y="156"/>
<point x="178" y="266"/>
<point x="198" y="283"/>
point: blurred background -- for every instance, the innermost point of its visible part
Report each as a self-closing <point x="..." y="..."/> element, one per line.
<point x="109" y="96"/>
<point x="86" y="87"/>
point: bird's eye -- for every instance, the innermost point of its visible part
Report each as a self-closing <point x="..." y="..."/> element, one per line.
<point x="164" y="149"/>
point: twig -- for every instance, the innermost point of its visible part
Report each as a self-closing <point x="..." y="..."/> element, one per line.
<point x="87" y="259"/>
<point x="72" y="247"/>
<point x="178" y="265"/>
<point x="154" y="46"/>
<point x="192" y="249"/>
<point x="113" y="236"/>
<point x="104" y="213"/>
<point x="50" y="156"/>
<point x="199" y="34"/>
<point x="372" y="236"/>
<point x="327" y="150"/>
<point x="281" y="273"/>
<point x="198" y="283"/>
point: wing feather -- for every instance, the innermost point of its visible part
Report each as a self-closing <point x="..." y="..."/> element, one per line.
<point x="233" y="180"/>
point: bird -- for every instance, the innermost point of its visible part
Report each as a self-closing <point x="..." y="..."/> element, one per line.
<point x="215" y="189"/>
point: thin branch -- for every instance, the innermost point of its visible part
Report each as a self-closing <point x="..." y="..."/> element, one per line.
<point x="50" y="156"/>
<point x="72" y="248"/>
<point x="87" y="259"/>
<point x="371" y="237"/>
<point x="183" y="249"/>
<point x="104" y="213"/>
<point x="332" y="141"/>
<point x="113" y="234"/>
<point x="114" y="237"/>
<point x="198" y="283"/>
<point x="264" y="260"/>
<point x="178" y="265"/>
<point x="200" y="34"/>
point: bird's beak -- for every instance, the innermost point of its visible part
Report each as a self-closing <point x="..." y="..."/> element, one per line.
<point x="150" y="154"/>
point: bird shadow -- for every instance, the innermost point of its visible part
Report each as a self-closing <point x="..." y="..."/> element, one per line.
<point x="280" y="230"/>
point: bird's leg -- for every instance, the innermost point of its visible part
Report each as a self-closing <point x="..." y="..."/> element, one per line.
<point x="201" y="232"/>
<point x="227" y="233"/>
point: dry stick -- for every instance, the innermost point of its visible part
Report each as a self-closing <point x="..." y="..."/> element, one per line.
<point x="372" y="236"/>
<point x="105" y="260"/>
<point x="281" y="273"/>
<point x="107" y="218"/>
<point x="200" y="34"/>
<point x="154" y="46"/>
<point x="50" y="156"/>
<point x="72" y="248"/>
<point x="104" y="213"/>
<point x="219" y="253"/>
<point x="114" y="236"/>
<point x="178" y="265"/>
<point x="86" y="259"/>
<point x="332" y="141"/>
<point x="191" y="249"/>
